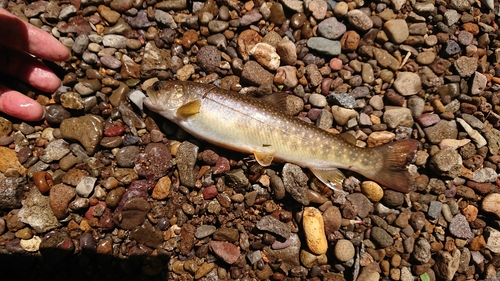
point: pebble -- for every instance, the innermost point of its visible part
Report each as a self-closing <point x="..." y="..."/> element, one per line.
<point x="447" y="264"/>
<point x="154" y="162"/>
<point x="344" y="250"/>
<point x="331" y="28"/>
<point x="226" y="251"/>
<point x="396" y="30"/>
<point x="266" y="55"/>
<point x="359" y="20"/>
<point x="86" y="186"/>
<point x="372" y="190"/>
<point x="491" y="203"/>
<point x="10" y="162"/>
<point x="465" y="66"/>
<point x="493" y="239"/>
<point x="37" y="212"/>
<point x="407" y="83"/>
<point x="381" y="237"/>
<point x="60" y="196"/>
<point x="422" y="250"/>
<point x="11" y="192"/>
<point x="209" y="58"/>
<point x="254" y="74"/>
<point x="447" y="162"/>
<point x="204" y="231"/>
<point x="186" y="159"/>
<point x="398" y="116"/>
<point x="324" y="46"/>
<point x="271" y="224"/>
<point x="71" y="129"/>
<point x="312" y="222"/>
<point x="295" y="182"/>
<point x="459" y="227"/>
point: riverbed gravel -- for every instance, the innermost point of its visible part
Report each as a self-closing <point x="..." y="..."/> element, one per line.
<point x="102" y="189"/>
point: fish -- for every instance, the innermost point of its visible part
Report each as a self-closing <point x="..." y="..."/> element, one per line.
<point x="254" y="126"/>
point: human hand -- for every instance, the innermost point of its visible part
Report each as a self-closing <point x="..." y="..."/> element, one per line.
<point x="18" y="40"/>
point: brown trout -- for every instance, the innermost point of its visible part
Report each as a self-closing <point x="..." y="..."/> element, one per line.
<point x="254" y="126"/>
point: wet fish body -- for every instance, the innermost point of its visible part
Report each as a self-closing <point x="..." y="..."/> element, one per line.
<point x="250" y="125"/>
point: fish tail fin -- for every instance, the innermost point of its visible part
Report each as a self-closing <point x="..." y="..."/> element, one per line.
<point x="392" y="172"/>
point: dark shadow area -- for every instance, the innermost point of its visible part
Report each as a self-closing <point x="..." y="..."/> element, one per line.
<point x="60" y="265"/>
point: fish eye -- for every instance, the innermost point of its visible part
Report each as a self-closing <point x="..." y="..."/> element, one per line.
<point x="156" y="86"/>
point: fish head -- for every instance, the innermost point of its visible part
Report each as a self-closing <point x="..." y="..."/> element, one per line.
<point x="165" y="98"/>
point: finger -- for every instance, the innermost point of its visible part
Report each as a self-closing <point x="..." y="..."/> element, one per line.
<point x="20" y="35"/>
<point x="28" y="69"/>
<point x="19" y="106"/>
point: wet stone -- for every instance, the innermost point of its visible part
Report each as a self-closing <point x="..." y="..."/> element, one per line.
<point x="60" y="197"/>
<point x="71" y="129"/>
<point x="447" y="162"/>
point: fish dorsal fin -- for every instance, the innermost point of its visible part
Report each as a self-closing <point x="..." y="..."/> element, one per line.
<point x="348" y="138"/>
<point x="277" y="99"/>
<point x="190" y="108"/>
<point x="264" y="155"/>
<point x="332" y="177"/>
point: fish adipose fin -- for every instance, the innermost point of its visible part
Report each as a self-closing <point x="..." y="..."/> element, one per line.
<point x="264" y="155"/>
<point x="333" y="177"/>
<point x="190" y="108"/>
<point x="393" y="171"/>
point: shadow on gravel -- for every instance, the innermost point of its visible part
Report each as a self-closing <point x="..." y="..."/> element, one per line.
<point x="60" y="265"/>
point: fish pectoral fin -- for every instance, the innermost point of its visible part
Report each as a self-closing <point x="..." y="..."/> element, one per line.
<point x="190" y="108"/>
<point x="332" y="177"/>
<point x="264" y="156"/>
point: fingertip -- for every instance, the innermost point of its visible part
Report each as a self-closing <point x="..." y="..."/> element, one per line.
<point x="20" y="106"/>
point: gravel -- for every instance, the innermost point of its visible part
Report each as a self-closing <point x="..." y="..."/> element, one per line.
<point x="104" y="189"/>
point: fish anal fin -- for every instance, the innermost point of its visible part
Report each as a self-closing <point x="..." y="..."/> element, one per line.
<point x="332" y="177"/>
<point x="395" y="157"/>
<point x="349" y="138"/>
<point x="264" y="156"/>
<point x="190" y="108"/>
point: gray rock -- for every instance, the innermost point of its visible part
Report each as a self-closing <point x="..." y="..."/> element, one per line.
<point x="56" y="150"/>
<point x="11" y="192"/>
<point x="331" y="28"/>
<point x="36" y="212"/>
<point x="446" y="162"/>
<point x="422" y="250"/>
<point x="443" y="130"/>
<point x="186" y="157"/>
<point x="408" y="83"/>
<point x="270" y="224"/>
<point x="295" y="181"/>
<point x="381" y="237"/>
<point x="114" y="41"/>
<point x="434" y="209"/>
<point x="398" y="116"/>
<point x="204" y="231"/>
<point x="165" y="19"/>
<point x="459" y="227"/>
<point x="466" y="66"/>
<point x="324" y="46"/>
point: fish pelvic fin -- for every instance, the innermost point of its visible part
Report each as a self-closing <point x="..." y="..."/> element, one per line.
<point x="393" y="172"/>
<point x="332" y="178"/>
<point x="264" y="155"/>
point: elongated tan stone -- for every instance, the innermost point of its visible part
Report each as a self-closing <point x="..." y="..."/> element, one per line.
<point x="314" y="230"/>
